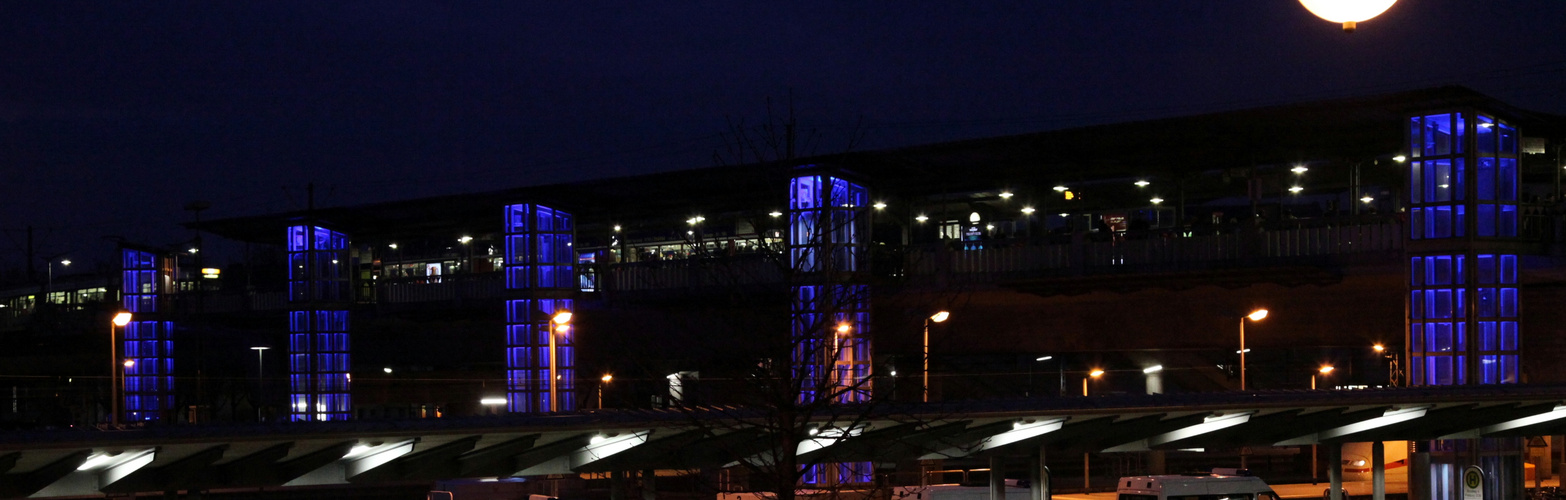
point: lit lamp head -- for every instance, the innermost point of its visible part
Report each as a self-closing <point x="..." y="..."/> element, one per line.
<point x="1379" y="347"/>
<point x="844" y="328"/>
<point x="122" y="319"/>
<point x="1325" y="369"/>
<point x="607" y="378"/>
<point x="940" y="316"/>
<point x="129" y="363"/>
<point x="1096" y="373"/>
<point x="561" y="318"/>
<point x="1347" y="12"/>
<point x="1257" y="315"/>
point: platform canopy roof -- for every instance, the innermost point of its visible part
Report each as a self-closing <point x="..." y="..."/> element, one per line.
<point x="119" y="462"/>
<point x="1181" y="150"/>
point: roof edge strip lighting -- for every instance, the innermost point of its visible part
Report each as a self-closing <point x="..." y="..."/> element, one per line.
<point x="1212" y="423"/>
<point x="1557" y="413"/>
<point x="1391" y="416"/>
<point x="1019" y="431"/>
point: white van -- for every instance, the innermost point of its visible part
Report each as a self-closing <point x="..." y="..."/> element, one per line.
<point x="1209" y="487"/>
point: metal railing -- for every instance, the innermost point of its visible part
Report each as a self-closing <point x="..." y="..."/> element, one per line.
<point x="1151" y="250"/>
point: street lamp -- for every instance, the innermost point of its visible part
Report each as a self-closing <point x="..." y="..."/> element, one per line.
<point x="604" y="381"/>
<point x="260" y="375"/>
<point x="560" y="323"/>
<point x="1323" y="372"/>
<point x="938" y="317"/>
<point x="63" y="262"/>
<point x="1096" y="373"/>
<point x="1256" y="315"/>
<point x="120" y="320"/>
<point x="1395" y="369"/>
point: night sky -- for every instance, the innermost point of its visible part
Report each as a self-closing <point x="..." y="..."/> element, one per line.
<point x="115" y="115"/>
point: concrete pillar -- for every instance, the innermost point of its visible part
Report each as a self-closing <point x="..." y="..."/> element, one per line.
<point x="997" y="478"/>
<point x="1038" y="476"/>
<point x="1419" y="469"/>
<point x="1087" y="482"/>
<point x="649" y="484"/>
<point x="1155" y="462"/>
<point x="1335" y="470"/>
<point x="1378" y="470"/>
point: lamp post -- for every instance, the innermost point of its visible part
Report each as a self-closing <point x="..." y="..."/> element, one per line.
<point x="120" y="320"/>
<point x="559" y="324"/>
<point x="1039" y="359"/>
<point x="603" y="381"/>
<point x="260" y="376"/>
<point x="1095" y="374"/>
<point x="63" y="262"/>
<point x="1394" y="368"/>
<point x="938" y="317"/>
<point x="1321" y="372"/>
<point x="1256" y="315"/>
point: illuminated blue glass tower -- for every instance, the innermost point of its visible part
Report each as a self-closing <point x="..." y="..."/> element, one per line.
<point x="319" y="293"/>
<point x="828" y="228"/>
<point x="540" y="267"/>
<point x="1463" y="223"/>
<point x="1463" y="304"/>
<point x="147" y="346"/>
<point x="830" y="329"/>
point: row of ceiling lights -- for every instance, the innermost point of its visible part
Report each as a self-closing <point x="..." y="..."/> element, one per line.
<point x="1029" y="210"/>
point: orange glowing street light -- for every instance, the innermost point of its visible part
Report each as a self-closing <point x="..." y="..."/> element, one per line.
<point x="560" y="323"/>
<point x="938" y="317"/>
<point x="1257" y="315"/>
<point x="1096" y="373"/>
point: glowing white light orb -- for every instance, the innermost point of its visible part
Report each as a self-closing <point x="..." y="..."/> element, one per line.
<point x="1347" y="12"/>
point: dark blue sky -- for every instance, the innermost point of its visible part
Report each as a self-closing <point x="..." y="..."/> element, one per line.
<point x="114" y="115"/>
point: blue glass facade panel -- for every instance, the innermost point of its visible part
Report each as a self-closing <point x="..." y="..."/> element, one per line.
<point x="1444" y="194"/>
<point x="319" y="351"/>
<point x="146" y="344"/>
<point x="540" y="260"/>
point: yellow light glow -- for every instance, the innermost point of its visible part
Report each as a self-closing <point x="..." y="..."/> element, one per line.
<point x="1325" y="369"/>
<point x="1379" y="347"/>
<point x="844" y="328"/>
<point x="1096" y="373"/>
<point x="210" y="272"/>
<point x="562" y="317"/>
<point x="129" y="363"/>
<point x="940" y="316"/>
<point x="1257" y="315"/>
<point x="1347" y="12"/>
<point x="122" y="319"/>
<point x="607" y="378"/>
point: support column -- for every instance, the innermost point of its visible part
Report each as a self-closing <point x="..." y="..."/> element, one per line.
<point x="1086" y="482"/>
<point x="1335" y="470"/>
<point x="1038" y="478"/>
<point x="1378" y="470"/>
<point x="997" y="478"/>
<point x="649" y="484"/>
<point x="617" y="485"/>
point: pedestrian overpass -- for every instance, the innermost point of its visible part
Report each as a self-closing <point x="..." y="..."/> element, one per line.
<point x="63" y="463"/>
